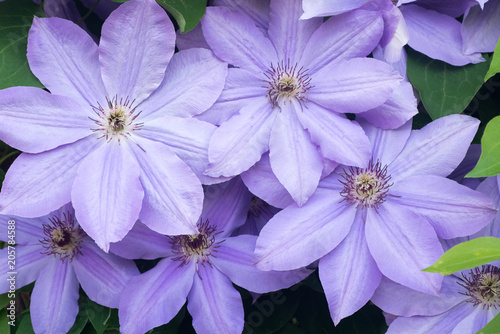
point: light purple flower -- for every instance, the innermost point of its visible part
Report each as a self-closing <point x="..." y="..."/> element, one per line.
<point x="54" y="251"/>
<point x="383" y="220"/>
<point x="480" y="30"/>
<point x="114" y="137"/>
<point x="289" y="92"/>
<point x="199" y="267"/>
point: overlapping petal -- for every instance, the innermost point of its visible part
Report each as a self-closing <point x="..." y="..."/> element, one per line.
<point x="28" y="231"/>
<point x="313" y="8"/>
<point x="479" y="29"/>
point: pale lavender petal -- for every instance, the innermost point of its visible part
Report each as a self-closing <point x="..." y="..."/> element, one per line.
<point x="240" y="142"/>
<point x="400" y="300"/>
<point x="102" y="276"/>
<point x="107" y="193"/>
<point x="192" y="39"/>
<point x="491" y="187"/>
<point x="226" y="206"/>
<point x="141" y="242"/>
<point x="262" y="182"/>
<point x="234" y="258"/>
<point x="470" y="160"/>
<point x="436" y="149"/>
<point x="26" y="231"/>
<point x="353" y="34"/>
<point x="257" y="10"/>
<point x="288" y="34"/>
<point x="193" y="81"/>
<point x="403" y="244"/>
<point x="37" y="184"/>
<point x="436" y="35"/>
<point x="297" y="236"/>
<point x="479" y="28"/>
<point x="399" y="66"/>
<point x="29" y="263"/>
<point x="34" y="121"/>
<point x="136" y="45"/>
<point x="452" y="209"/>
<point x="295" y="160"/>
<point x="338" y="138"/>
<point x="314" y="8"/>
<point x="348" y="274"/>
<point x="453" y="8"/>
<point x="235" y="39"/>
<point x="54" y="301"/>
<point x="395" y="34"/>
<point x="173" y="195"/>
<point x="65" y="59"/>
<point x="214" y="303"/>
<point x="475" y="321"/>
<point x="154" y="298"/>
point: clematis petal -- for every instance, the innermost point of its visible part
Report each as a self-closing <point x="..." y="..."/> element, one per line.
<point x="240" y="142"/>
<point x="480" y="28"/>
<point x="436" y="35"/>
<point x="54" y="301"/>
<point x="234" y="259"/>
<point x="295" y="160"/>
<point x="234" y="38"/>
<point x="192" y="39"/>
<point x="297" y="236"/>
<point x="136" y="45"/>
<point x="475" y="321"/>
<point x="348" y="274"/>
<point x="173" y="194"/>
<point x="28" y="231"/>
<point x="257" y="10"/>
<point x="214" y="304"/>
<point x="403" y="244"/>
<point x="65" y="59"/>
<point x="107" y="194"/>
<point x="37" y="184"/>
<point x="193" y="81"/>
<point x="103" y="276"/>
<point x="453" y="8"/>
<point x="314" y="8"/>
<point x="436" y="149"/>
<point x="34" y="121"/>
<point x="154" y="298"/>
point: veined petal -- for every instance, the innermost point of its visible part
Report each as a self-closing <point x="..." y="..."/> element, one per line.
<point x="436" y="149"/>
<point x="34" y="121"/>
<point x="395" y="35"/>
<point x="234" y="258"/>
<point x="403" y="244"/>
<point x="54" y="301"/>
<point x="103" y="276"/>
<point x="348" y="274"/>
<point x="193" y="81"/>
<point x="452" y="209"/>
<point x="37" y="184"/>
<point x="297" y="236"/>
<point x="65" y="59"/>
<point x="28" y="231"/>
<point x="295" y="160"/>
<point x="240" y="142"/>
<point x="154" y="298"/>
<point x="453" y="8"/>
<point x="479" y="28"/>
<point x="314" y="8"/>
<point x="136" y="45"/>
<point x="235" y="39"/>
<point x="29" y="264"/>
<point x="214" y="303"/>
<point x="257" y="10"/>
<point x="475" y="321"/>
<point x="173" y="194"/>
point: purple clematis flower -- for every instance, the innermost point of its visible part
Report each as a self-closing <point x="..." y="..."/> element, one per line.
<point x="56" y="252"/>
<point x="289" y="92"/>
<point x="468" y="299"/>
<point x="480" y="31"/>
<point x="199" y="267"/>
<point x="116" y="136"/>
<point x="428" y="26"/>
<point x="383" y="220"/>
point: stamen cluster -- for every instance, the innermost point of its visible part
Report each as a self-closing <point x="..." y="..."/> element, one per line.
<point x="366" y="187"/>
<point x="285" y="82"/>
<point x="117" y="120"/>
<point x="482" y="285"/>
<point x="63" y="238"/>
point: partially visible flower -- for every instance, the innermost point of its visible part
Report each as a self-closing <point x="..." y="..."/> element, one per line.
<point x="67" y="9"/>
<point x="382" y="220"/>
<point x="55" y="252"/>
<point x="480" y="28"/>
<point x="201" y="267"/>
<point x="258" y="215"/>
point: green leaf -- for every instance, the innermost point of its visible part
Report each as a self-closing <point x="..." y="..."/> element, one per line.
<point x="98" y="315"/>
<point x="467" y="255"/>
<point x="25" y="326"/>
<point x="444" y="89"/>
<point x="15" y="21"/>
<point x="4" y="323"/>
<point x="495" y="63"/>
<point x="492" y="327"/>
<point x="489" y="161"/>
<point x="81" y="319"/>
<point x="187" y="13"/>
<point x="4" y="301"/>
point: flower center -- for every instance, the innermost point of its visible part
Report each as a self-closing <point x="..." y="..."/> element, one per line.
<point x="62" y="238"/>
<point x="285" y="82"/>
<point x="482" y="285"/>
<point x="366" y="187"/>
<point x="117" y="120"/>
